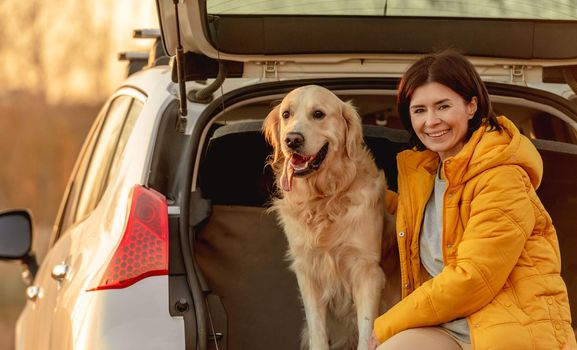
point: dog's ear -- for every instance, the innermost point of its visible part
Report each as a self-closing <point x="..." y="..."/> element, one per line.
<point x="271" y="130"/>
<point x="354" y="130"/>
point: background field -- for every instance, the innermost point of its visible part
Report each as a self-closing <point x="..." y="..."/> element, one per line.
<point x="58" y="65"/>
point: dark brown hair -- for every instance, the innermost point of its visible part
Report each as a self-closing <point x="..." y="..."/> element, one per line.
<point x="453" y="70"/>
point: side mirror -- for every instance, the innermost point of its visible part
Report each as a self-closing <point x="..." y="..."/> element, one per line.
<point x="16" y="239"/>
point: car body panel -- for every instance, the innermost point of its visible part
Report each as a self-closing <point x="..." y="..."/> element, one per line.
<point x="110" y="321"/>
<point x="85" y="249"/>
<point x="35" y="332"/>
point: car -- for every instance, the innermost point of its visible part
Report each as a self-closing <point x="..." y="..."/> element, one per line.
<point x="163" y="239"/>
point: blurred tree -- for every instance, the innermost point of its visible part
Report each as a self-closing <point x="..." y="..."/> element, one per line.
<point x="65" y="50"/>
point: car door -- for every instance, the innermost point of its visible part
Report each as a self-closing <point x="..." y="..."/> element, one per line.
<point x="49" y="324"/>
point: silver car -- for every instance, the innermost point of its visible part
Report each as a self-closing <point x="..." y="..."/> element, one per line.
<point x="163" y="240"/>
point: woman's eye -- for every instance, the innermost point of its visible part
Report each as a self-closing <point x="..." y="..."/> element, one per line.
<point x="417" y="110"/>
<point x="286" y="114"/>
<point x="443" y="107"/>
<point x="318" y="115"/>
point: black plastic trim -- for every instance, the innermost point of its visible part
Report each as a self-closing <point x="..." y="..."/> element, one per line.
<point x="167" y="156"/>
<point x="181" y="305"/>
<point x="201" y="67"/>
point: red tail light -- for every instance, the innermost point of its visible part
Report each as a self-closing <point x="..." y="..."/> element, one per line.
<point x="143" y="249"/>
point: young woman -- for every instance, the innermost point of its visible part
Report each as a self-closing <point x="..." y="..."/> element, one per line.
<point x="480" y="261"/>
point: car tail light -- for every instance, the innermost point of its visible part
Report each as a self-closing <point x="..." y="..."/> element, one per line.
<point x="143" y="249"/>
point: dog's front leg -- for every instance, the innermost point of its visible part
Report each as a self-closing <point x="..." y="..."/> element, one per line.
<point x="315" y="312"/>
<point x="367" y="286"/>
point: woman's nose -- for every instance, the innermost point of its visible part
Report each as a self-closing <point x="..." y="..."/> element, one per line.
<point x="432" y="118"/>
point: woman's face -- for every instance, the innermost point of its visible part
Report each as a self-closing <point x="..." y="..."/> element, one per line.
<point x="440" y="118"/>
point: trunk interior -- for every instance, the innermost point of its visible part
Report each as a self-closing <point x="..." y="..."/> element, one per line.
<point x="254" y="301"/>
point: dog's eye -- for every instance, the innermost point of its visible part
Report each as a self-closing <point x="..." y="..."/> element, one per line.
<point x="318" y="115"/>
<point x="285" y="114"/>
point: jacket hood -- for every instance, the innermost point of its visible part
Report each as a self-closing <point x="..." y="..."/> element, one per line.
<point x="485" y="149"/>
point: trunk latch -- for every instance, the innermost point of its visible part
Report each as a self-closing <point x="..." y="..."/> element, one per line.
<point x="270" y="70"/>
<point x="517" y="74"/>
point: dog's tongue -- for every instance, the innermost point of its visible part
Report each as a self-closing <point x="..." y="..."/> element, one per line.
<point x="287" y="176"/>
<point x="295" y="161"/>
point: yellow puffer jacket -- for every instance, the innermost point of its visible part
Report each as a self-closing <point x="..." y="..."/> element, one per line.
<point x="500" y="249"/>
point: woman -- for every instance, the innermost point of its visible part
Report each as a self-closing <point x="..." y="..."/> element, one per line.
<point x="479" y="255"/>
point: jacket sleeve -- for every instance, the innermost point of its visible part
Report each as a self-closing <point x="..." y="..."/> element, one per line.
<point x="501" y="219"/>
<point x="391" y="202"/>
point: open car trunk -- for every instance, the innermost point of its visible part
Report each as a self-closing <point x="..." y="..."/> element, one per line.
<point x="241" y="250"/>
<point x="254" y="301"/>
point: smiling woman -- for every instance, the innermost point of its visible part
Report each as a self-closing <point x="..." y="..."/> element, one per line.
<point x="476" y="242"/>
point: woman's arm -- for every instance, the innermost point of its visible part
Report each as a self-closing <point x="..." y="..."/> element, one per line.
<point x="391" y="201"/>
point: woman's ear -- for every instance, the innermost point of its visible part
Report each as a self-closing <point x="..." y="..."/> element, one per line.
<point x="271" y="130"/>
<point x="472" y="107"/>
<point x="354" y="129"/>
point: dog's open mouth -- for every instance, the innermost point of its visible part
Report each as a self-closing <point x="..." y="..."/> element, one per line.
<point x="299" y="165"/>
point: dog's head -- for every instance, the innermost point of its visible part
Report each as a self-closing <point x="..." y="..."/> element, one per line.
<point x="309" y="130"/>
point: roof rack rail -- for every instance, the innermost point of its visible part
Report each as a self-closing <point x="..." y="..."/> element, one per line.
<point x="146" y="33"/>
<point x="140" y="60"/>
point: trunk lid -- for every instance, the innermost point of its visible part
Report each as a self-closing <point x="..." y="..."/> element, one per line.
<point x="519" y="41"/>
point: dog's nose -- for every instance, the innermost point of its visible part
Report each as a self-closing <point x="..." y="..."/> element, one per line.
<point x="294" y="140"/>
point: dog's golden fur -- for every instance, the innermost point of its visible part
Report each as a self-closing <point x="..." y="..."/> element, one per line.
<point x="334" y="217"/>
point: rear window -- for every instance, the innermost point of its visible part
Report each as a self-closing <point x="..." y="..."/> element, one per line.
<point x="509" y="9"/>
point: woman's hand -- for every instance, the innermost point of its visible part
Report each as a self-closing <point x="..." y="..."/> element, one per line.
<point x="374" y="342"/>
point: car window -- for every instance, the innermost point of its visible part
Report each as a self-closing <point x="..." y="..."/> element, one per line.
<point x="98" y="161"/>
<point x="513" y="9"/>
<point x="554" y="129"/>
<point x="65" y="216"/>
<point x="97" y="171"/>
<point x="133" y="113"/>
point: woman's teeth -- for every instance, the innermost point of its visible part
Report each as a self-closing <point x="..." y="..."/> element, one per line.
<point x="438" y="133"/>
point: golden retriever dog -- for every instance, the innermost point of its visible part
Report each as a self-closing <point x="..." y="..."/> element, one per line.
<point x="331" y="204"/>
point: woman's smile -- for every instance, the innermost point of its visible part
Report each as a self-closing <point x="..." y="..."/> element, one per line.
<point x="437" y="134"/>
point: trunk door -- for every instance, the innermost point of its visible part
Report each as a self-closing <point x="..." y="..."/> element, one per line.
<point x="516" y="41"/>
